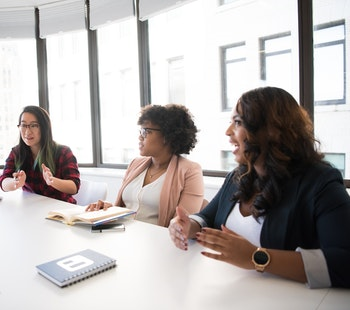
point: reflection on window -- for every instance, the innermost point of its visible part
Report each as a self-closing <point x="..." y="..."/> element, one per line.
<point x="119" y="91"/>
<point x="276" y="60"/>
<point x="337" y="160"/>
<point x="69" y="94"/>
<point x="329" y="63"/>
<point x="18" y="88"/>
<point x="235" y="77"/>
<point x="228" y="160"/>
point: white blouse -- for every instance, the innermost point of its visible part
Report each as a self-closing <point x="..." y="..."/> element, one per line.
<point x="144" y="199"/>
<point x="246" y="226"/>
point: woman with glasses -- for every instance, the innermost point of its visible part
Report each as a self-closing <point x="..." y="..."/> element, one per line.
<point x="38" y="164"/>
<point x="161" y="179"/>
<point x="283" y="210"/>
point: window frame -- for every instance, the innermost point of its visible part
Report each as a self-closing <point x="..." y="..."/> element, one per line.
<point x="264" y="55"/>
<point x="224" y="64"/>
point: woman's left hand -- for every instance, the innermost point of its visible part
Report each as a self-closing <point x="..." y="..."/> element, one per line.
<point x="47" y="175"/>
<point x="230" y="247"/>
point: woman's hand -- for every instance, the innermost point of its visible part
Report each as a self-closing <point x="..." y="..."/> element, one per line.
<point x="47" y="175"/>
<point x="19" y="178"/>
<point x="230" y="247"/>
<point x="100" y="204"/>
<point x="179" y="228"/>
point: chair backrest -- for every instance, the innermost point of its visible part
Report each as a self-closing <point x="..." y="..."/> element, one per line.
<point x="204" y="203"/>
<point x="90" y="191"/>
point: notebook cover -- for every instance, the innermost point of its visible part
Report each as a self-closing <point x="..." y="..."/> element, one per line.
<point x="76" y="267"/>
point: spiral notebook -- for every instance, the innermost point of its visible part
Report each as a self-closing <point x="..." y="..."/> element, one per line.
<point x="73" y="268"/>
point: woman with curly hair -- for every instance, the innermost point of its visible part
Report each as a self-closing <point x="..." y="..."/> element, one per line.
<point x="38" y="164"/>
<point x="283" y="210"/>
<point x="161" y="179"/>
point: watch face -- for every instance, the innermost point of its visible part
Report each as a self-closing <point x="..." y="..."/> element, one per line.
<point x="260" y="258"/>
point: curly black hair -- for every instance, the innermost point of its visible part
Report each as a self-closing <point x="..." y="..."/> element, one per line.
<point x="176" y="125"/>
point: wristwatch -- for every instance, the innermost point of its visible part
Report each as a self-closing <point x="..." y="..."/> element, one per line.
<point x="261" y="259"/>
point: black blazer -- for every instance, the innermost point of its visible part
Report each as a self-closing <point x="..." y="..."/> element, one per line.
<point x="314" y="213"/>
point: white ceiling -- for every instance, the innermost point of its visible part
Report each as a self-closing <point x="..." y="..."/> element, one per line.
<point x="24" y="3"/>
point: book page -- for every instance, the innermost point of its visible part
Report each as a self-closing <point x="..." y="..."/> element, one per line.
<point x="93" y="216"/>
<point x="66" y="215"/>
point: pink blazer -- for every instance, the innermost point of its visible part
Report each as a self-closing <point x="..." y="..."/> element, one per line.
<point x="183" y="185"/>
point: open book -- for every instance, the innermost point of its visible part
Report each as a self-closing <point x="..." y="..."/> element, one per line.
<point x="77" y="214"/>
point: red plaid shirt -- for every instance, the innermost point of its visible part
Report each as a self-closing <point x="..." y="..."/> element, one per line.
<point x="66" y="168"/>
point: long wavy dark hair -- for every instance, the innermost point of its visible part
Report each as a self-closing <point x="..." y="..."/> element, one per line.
<point x="176" y="124"/>
<point x="48" y="145"/>
<point x="279" y="130"/>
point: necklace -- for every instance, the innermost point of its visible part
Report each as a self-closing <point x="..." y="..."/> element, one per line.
<point x="155" y="173"/>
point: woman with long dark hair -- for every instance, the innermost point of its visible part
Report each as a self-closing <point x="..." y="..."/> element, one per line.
<point x="283" y="210"/>
<point x="38" y="164"/>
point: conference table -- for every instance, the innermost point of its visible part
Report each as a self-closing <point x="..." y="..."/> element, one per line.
<point x="151" y="272"/>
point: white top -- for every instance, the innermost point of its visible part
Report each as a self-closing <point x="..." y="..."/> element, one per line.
<point x="246" y="226"/>
<point x="144" y="199"/>
<point x="314" y="261"/>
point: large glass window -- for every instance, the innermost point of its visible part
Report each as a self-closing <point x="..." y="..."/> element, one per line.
<point x="18" y="88"/>
<point x="222" y="61"/>
<point x="69" y="92"/>
<point x="119" y="91"/>
<point x="331" y="65"/>
<point x="235" y="74"/>
<point x="276" y="60"/>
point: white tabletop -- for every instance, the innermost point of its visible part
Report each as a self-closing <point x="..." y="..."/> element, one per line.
<point x="151" y="273"/>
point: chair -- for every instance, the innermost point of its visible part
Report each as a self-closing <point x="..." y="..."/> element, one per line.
<point x="90" y="192"/>
<point x="204" y="203"/>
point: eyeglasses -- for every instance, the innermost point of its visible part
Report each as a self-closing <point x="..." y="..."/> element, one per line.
<point x="31" y="127"/>
<point x="145" y="131"/>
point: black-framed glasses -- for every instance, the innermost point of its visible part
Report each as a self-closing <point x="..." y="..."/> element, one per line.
<point x="31" y="127"/>
<point x="145" y="131"/>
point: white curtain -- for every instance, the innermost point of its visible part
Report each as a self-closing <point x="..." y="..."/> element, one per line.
<point x="105" y="11"/>
<point x="17" y="23"/>
<point x="149" y="8"/>
<point x="61" y="16"/>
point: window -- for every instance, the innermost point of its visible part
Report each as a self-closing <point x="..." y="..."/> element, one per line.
<point x="176" y="80"/>
<point x="221" y="59"/>
<point x="203" y="53"/>
<point x="228" y="161"/>
<point x="18" y="88"/>
<point x="69" y="92"/>
<point x="235" y="78"/>
<point x="337" y="160"/>
<point x="329" y="63"/>
<point x="276" y="60"/>
<point x="119" y="91"/>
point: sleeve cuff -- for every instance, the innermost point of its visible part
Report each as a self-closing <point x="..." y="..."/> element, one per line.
<point x="199" y="220"/>
<point x="315" y="268"/>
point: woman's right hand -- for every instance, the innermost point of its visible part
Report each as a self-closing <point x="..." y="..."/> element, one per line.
<point x="19" y="178"/>
<point x="100" y="204"/>
<point x="179" y="228"/>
